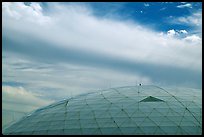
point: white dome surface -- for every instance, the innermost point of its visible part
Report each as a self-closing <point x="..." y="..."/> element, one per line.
<point x="146" y="110"/>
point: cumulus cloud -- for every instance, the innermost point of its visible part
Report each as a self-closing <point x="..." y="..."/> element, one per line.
<point x="183" y="31"/>
<point x="182" y="34"/>
<point x="171" y="33"/>
<point x="175" y="33"/>
<point x="187" y="5"/>
<point x="188" y="38"/>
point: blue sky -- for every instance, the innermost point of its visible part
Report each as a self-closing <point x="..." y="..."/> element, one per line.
<point x="149" y="13"/>
<point x="53" y="51"/>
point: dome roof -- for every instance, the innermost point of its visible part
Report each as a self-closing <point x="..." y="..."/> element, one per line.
<point x="124" y="110"/>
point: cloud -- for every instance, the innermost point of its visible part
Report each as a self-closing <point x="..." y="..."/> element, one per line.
<point x="183" y="35"/>
<point x="36" y="7"/>
<point x="20" y="11"/>
<point x="183" y="31"/>
<point x="162" y="8"/>
<point x="175" y="33"/>
<point x="66" y="79"/>
<point x="187" y="5"/>
<point x="193" y="19"/>
<point x="91" y="31"/>
<point x="146" y="4"/>
<point x="21" y="96"/>
<point x="19" y="99"/>
<point x="171" y="33"/>
<point x="76" y="50"/>
<point x="193" y="38"/>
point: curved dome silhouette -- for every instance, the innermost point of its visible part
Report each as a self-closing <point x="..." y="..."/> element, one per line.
<point x="124" y="110"/>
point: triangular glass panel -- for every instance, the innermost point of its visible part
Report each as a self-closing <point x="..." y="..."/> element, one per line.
<point x="138" y="131"/>
<point x="151" y="99"/>
<point x="129" y="130"/>
<point x="180" y="131"/>
<point x="148" y="130"/>
<point x="159" y="131"/>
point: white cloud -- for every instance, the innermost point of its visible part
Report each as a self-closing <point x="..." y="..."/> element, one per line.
<point x="20" y="11"/>
<point x="146" y="4"/>
<point x="187" y="5"/>
<point x="18" y="95"/>
<point x="176" y="33"/>
<point x="75" y="27"/>
<point x="171" y="33"/>
<point x="194" y="19"/>
<point x="163" y="8"/>
<point x="194" y="22"/>
<point x="67" y="79"/>
<point x="36" y="7"/>
<point x="161" y="34"/>
<point x="183" y="31"/>
<point x="193" y="38"/>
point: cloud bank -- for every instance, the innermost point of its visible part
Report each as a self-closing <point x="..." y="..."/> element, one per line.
<point x="74" y="27"/>
<point x="70" y="37"/>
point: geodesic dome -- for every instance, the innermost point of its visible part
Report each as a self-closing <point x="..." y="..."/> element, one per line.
<point x="125" y="110"/>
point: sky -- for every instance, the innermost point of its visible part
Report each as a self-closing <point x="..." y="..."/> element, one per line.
<point x="53" y="51"/>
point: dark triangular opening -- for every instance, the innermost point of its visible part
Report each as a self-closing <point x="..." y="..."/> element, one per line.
<point x="151" y="99"/>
